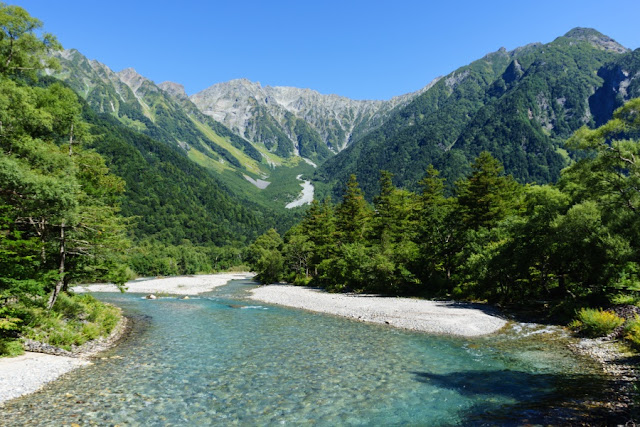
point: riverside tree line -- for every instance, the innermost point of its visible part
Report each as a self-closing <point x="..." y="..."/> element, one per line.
<point x="576" y="242"/>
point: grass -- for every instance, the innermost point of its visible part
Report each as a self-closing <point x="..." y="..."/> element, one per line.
<point x="632" y="333"/>
<point x="74" y="320"/>
<point x="595" y="322"/>
<point x="10" y="348"/>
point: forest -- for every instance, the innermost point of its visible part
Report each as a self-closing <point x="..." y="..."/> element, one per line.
<point x="557" y="247"/>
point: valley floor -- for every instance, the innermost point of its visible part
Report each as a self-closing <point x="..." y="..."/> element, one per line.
<point x="440" y="317"/>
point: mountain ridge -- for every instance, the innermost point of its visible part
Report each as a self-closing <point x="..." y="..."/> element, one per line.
<point x="336" y="119"/>
<point x="519" y="105"/>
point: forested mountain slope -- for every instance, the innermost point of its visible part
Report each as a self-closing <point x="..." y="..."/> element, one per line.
<point x="519" y="105"/>
<point x="170" y="198"/>
<point x="164" y="113"/>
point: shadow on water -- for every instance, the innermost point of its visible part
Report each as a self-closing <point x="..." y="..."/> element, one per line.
<point x="536" y="398"/>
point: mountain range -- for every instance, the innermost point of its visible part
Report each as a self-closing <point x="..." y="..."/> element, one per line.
<point x="520" y="105"/>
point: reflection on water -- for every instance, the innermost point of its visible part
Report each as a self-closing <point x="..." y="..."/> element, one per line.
<point x="223" y="360"/>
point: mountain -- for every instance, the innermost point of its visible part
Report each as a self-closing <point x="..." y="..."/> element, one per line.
<point x="519" y="105"/>
<point x="621" y="83"/>
<point x="164" y="113"/>
<point x="293" y="121"/>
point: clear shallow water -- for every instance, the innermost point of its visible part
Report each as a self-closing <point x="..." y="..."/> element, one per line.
<point x="222" y="360"/>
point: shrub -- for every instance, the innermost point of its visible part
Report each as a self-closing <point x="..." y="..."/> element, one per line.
<point x="10" y="347"/>
<point x="632" y="332"/>
<point x="596" y="323"/>
<point x="75" y="320"/>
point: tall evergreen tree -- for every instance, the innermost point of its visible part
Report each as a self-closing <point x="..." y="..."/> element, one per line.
<point x="353" y="215"/>
<point x="486" y="196"/>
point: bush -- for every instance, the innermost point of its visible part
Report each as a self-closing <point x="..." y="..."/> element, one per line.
<point x="74" y="320"/>
<point x="632" y="332"/>
<point x="596" y="323"/>
<point x="10" y="348"/>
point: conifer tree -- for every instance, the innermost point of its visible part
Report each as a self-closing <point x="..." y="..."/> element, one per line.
<point x="353" y="215"/>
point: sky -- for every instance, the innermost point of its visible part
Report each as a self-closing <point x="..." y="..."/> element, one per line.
<point x="358" y="49"/>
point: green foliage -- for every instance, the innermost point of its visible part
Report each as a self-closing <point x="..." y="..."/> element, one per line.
<point x="632" y="332"/>
<point x="153" y="258"/>
<point x="265" y="257"/>
<point x="72" y="321"/>
<point x="486" y="197"/>
<point x="59" y="203"/>
<point x="519" y="106"/>
<point x="22" y="50"/>
<point x="596" y="323"/>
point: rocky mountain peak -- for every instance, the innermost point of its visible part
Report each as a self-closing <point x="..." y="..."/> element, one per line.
<point x="596" y="39"/>
<point x="174" y="89"/>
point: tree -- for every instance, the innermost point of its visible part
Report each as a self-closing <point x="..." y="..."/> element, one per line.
<point x="353" y="215"/>
<point x="437" y="232"/>
<point x="319" y="225"/>
<point x="61" y="197"/>
<point x="21" y="50"/>
<point x="265" y="257"/>
<point x="486" y="196"/>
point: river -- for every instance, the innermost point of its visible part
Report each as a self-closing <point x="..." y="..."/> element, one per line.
<point x="306" y="195"/>
<point x="220" y="359"/>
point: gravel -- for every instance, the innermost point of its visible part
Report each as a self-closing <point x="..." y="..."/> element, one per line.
<point x="180" y="285"/>
<point x="438" y="317"/>
<point x="29" y="372"/>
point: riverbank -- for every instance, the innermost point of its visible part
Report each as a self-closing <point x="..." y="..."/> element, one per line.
<point x="42" y="363"/>
<point x="31" y="371"/>
<point x="439" y="317"/>
<point x="179" y="285"/>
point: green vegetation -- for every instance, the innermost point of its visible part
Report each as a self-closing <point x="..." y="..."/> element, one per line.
<point x="573" y="244"/>
<point x="520" y="106"/>
<point x="73" y="320"/>
<point x="596" y="323"/>
<point x="632" y="332"/>
<point x="59" y="204"/>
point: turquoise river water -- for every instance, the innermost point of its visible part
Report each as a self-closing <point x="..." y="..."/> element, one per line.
<point x="220" y="359"/>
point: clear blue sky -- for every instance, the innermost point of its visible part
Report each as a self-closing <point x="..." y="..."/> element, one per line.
<point x="360" y="49"/>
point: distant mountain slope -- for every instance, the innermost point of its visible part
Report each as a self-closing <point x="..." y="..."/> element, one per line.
<point x="142" y="105"/>
<point x="164" y="113"/>
<point x="621" y="83"/>
<point x="170" y="198"/>
<point x="294" y="121"/>
<point x="519" y="105"/>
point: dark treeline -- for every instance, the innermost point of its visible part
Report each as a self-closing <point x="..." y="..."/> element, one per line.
<point x="576" y="242"/>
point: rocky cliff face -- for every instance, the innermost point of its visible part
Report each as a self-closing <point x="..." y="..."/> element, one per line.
<point x="251" y="110"/>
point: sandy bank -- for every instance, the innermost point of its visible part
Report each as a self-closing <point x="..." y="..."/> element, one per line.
<point x="28" y="373"/>
<point x="440" y="317"/>
<point x="180" y="285"/>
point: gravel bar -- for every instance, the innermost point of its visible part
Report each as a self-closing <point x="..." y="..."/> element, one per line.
<point x="180" y="285"/>
<point x="438" y="317"/>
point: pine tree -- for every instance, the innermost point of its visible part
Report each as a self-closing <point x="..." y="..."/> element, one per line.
<point x="353" y="214"/>
<point x="486" y="196"/>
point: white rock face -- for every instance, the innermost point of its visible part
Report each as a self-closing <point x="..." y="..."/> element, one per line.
<point x="338" y="120"/>
<point x="174" y="89"/>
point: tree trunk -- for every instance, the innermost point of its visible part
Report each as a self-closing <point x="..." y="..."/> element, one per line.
<point x="71" y="141"/>
<point x="60" y="282"/>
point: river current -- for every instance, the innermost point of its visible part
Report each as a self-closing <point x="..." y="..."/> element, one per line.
<point x="220" y="359"/>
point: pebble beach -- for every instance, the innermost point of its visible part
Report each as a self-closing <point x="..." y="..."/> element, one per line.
<point x="437" y="317"/>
